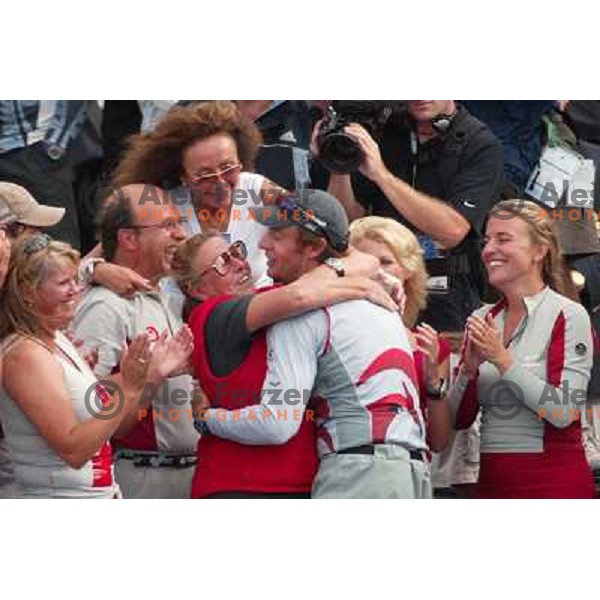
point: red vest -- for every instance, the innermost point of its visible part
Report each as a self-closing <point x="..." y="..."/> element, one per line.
<point x="226" y="466"/>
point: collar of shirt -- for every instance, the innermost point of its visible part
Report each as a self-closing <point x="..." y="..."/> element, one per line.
<point x="532" y="302"/>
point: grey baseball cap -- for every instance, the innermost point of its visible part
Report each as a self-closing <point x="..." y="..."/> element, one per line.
<point x="314" y="210"/>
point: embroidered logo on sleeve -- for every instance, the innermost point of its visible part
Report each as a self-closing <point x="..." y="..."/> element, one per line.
<point x="581" y="349"/>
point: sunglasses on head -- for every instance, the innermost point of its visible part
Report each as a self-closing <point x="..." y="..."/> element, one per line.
<point x="309" y="221"/>
<point x="36" y="243"/>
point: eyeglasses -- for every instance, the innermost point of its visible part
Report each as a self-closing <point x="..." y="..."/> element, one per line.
<point x="169" y="225"/>
<point x="222" y="264"/>
<point x="229" y="171"/>
<point x="36" y="243"/>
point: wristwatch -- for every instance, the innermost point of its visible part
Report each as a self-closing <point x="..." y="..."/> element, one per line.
<point x="337" y="265"/>
<point x="438" y="392"/>
<point x="88" y="268"/>
<point x="200" y="425"/>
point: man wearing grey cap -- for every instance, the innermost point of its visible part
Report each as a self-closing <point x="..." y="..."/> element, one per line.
<point x="353" y="358"/>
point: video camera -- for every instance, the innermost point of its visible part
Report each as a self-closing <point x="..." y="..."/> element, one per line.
<point x="339" y="152"/>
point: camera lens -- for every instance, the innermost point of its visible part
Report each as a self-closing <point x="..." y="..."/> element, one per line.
<point x="339" y="153"/>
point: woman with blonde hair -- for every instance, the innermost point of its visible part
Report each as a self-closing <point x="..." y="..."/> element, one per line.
<point x="209" y="149"/>
<point x="526" y="364"/>
<point x="58" y="426"/>
<point x="401" y="256"/>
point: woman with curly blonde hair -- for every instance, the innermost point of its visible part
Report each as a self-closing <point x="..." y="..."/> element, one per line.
<point x="401" y="256"/>
<point x="209" y="149"/>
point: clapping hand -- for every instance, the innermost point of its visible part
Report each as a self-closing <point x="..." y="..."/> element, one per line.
<point x="135" y="361"/>
<point x="171" y="355"/>
<point x="486" y="342"/>
<point x="428" y="342"/>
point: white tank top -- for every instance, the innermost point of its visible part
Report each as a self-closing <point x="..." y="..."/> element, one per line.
<point x="39" y="471"/>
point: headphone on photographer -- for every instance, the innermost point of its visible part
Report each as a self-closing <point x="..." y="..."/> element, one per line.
<point x="442" y="123"/>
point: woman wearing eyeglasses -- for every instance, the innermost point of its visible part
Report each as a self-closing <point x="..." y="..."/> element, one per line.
<point x="228" y="321"/>
<point x="55" y="414"/>
<point x="210" y="149"/>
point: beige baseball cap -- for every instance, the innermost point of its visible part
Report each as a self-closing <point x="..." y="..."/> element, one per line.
<point x="17" y="204"/>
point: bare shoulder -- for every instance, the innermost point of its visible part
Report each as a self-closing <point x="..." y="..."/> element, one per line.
<point x="27" y="356"/>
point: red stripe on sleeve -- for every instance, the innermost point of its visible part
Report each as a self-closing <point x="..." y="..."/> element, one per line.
<point x="556" y="352"/>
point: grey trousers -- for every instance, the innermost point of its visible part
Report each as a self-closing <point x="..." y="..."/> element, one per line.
<point x="149" y="482"/>
<point x="388" y="473"/>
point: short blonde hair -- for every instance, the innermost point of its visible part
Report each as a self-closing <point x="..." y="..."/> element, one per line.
<point x="408" y="253"/>
<point x="30" y="267"/>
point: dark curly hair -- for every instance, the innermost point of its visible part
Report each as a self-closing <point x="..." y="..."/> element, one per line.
<point x="156" y="157"/>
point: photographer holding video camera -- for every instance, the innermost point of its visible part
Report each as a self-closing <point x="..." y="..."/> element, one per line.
<point x="431" y="166"/>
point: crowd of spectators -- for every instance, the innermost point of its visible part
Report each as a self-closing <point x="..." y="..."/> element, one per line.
<point x="280" y="299"/>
